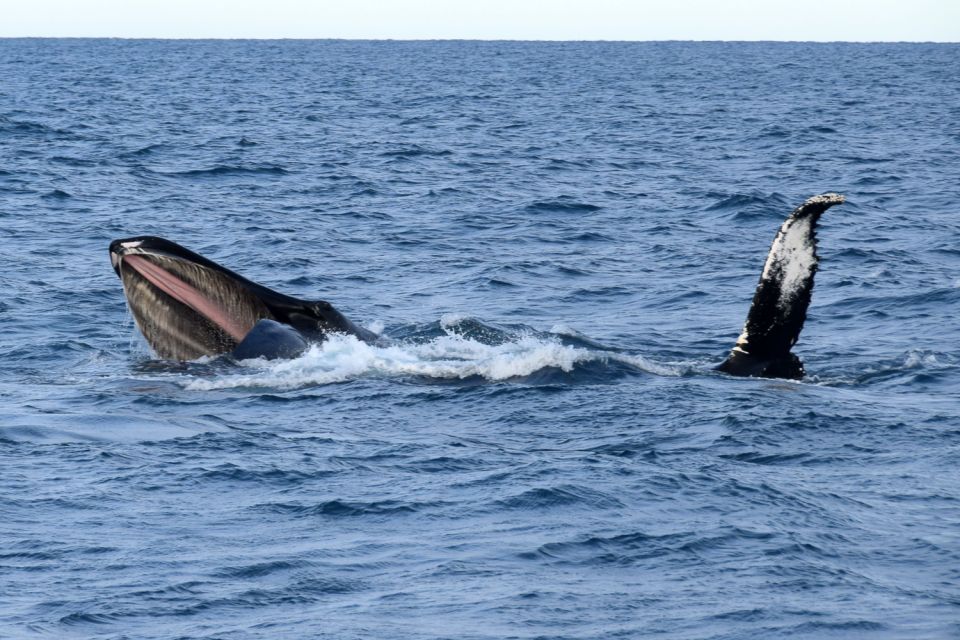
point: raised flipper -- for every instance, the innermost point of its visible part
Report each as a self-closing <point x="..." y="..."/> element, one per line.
<point x="271" y="340"/>
<point x="782" y="297"/>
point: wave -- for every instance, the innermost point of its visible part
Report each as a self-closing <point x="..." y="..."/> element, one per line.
<point x="25" y="128"/>
<point x="560" y="497"/>
<point x="916" y="366"/>
<point x="562" y="204"/>
<point x="746" y="206"/>
<point x="231" y="170"/>
<point x="340" y="508"/>
<point x="638" y="547"/>
<point x="148" y="150"/>
<point x="415" y="151"/>
<point x="56" y="194"/>
<point x="219" y="171"/>
<point x="95" y="427"/>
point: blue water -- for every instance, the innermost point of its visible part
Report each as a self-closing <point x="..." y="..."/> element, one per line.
<point x="560" y="241"/>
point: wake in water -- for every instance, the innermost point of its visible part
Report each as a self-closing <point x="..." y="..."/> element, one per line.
<point x="456" y="348"/>
<point x="463" y="348"/>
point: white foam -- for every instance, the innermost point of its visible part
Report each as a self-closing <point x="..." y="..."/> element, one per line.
<point x="564" y="330"/>
<point x="660" y="369"/>
<point x="451" y="320"/>
<point x="919" y="359"/>
<point x="342" y="358"/>
<point x="376" y="327"/>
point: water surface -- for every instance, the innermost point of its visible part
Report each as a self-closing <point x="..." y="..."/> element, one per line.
<point x="560" y="241"/>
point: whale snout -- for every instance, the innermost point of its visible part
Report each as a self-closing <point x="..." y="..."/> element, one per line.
<point x="118" y="248"/>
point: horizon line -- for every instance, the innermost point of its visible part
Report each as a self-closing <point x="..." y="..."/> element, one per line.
<point x="433" y="39"/>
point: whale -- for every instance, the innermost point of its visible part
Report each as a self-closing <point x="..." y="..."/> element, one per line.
<point x="780" y="302"/>
<point x="187" y="306"/>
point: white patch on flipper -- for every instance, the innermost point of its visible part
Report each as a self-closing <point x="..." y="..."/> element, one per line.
<point x="792" y="258"/>
<point x="742" y="340"/>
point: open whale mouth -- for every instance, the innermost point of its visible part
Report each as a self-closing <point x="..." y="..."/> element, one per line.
<point x="184" y="308"/>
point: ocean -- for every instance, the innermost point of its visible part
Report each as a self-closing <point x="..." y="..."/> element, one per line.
<point x="558" y="243"/>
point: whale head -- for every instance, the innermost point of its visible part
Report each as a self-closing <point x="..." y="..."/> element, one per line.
<point x="185" y="305"/>
<point x="188" y="306"/>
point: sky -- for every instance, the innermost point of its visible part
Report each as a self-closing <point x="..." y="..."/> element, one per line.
<point x="818" y="20"/>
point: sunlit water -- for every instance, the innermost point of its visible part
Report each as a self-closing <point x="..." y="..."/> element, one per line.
<point x="557" y="243"/>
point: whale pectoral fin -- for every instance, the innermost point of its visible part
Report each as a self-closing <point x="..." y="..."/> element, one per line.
<point x="271" y="340"/>
<point x="782" y="297"/>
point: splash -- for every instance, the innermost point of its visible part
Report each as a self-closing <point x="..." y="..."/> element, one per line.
<point x="451" y="356"/>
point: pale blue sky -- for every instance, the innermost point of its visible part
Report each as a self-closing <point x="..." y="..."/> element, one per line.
<point x="824" y="20"/>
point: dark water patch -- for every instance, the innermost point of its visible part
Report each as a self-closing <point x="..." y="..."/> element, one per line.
<point x="905" y="304"/>
<point x="561" y="204"/>
<point x="571" y="271"/>
<point x="74" y="162"/>
<point x="878" y="180"/>
<point x="748" y="206"/>
<point x="260" y="569"/>
<point x="867" y="255"/>
<point x="604" y="292"/>
<point x="31" y="555"/>
<point x="219" y="171"/>
<point x="590" y="236"/>
<point x="559" y="164"/>
<point x="233" y="473"/>
<point x="187" y="588"/>
<point x="444" y="464"/>
<point x="861" y="160"/>
<point x="57" y="194"/>
<point x="302" y="591"/>
<point x="816" y="627"/>
<point x="446" y="191"/>
<point x="340" y="509"/>
<point x="84" y="619"/>
<point x="741" y="615"/>
<point x="774" y="132"/>
<point x="756" y="457"/>
<point x="562" y="496"/>
<point x="10" y="128"/>
<point x="629" y="549"/>
<point x="305" y="591"/>
<point x="148" y="150"/>
<point x="415" y="151"/>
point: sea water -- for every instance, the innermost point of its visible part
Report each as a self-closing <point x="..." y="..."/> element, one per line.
<point x="557" y="243"/>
